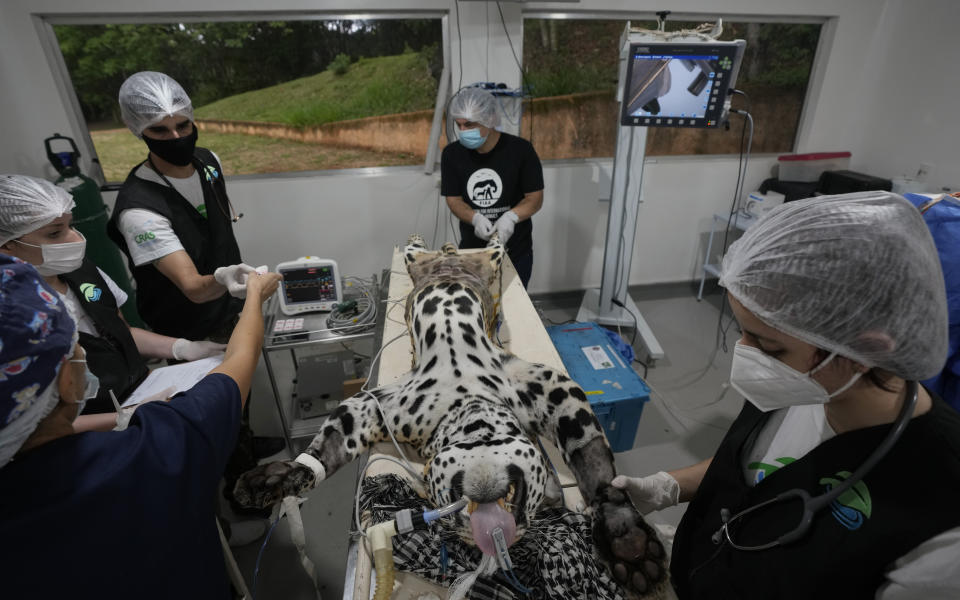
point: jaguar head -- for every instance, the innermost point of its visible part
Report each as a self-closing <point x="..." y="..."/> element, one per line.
<point x="503" y="478"/>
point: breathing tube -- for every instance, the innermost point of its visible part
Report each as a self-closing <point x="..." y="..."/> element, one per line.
<point x="381" y="534"/>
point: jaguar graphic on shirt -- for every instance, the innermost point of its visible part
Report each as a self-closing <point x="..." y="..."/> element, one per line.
<point x="484" y="187"/>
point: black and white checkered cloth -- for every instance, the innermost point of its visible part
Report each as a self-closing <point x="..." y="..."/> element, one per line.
<point x="555" y="559"/>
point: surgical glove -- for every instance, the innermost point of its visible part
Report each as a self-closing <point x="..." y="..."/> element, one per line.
<point x="650" y="493"/>
<point x="505" y="225"/>
<point x="187" y="350"/>
<point x="482" y="227"/>
<point x="126" y="413"/>
<point x="234" y="278"/>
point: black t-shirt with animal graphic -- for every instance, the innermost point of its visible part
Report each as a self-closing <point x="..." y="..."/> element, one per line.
<point x="493" y="183"/>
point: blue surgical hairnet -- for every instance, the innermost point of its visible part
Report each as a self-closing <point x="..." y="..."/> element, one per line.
<point x="148" y="97"/>
<point x="856" y="274"/>
<point x="28" y="203"/>
<point x="36" y="333"/>
<point x="474" y="104"/>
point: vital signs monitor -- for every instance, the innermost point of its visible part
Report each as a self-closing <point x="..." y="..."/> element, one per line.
<point x="310" y="284"/>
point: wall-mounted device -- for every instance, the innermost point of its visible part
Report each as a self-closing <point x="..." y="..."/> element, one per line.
<point x="680" y="84"/>
<point x="310" y="284"/>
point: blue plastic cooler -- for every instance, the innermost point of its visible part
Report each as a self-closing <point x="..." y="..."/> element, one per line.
<point x="615" y="391"/>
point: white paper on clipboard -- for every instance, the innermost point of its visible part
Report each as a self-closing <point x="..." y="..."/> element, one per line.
<point x="180" y="377"/>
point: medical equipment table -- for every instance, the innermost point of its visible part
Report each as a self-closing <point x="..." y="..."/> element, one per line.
<point x="741" y="221"/>
<point x="304" y="332"/>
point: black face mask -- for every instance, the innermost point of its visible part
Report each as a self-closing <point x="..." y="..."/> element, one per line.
<point x="176" y="151"/>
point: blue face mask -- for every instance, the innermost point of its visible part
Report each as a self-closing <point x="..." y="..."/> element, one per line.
<point x="471" y="138"/>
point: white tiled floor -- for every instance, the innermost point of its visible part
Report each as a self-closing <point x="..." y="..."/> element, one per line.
<point x="688" y="412"/>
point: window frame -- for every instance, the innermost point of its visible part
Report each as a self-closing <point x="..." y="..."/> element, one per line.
<point x="44" y="24"/>
<point x="814" y="81"/>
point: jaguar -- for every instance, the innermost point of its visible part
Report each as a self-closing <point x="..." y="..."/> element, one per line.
<point x="474" y="412"/>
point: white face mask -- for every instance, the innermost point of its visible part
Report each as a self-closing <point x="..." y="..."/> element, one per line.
<point x="770" y="384"/>
<point x="60" y="258"/>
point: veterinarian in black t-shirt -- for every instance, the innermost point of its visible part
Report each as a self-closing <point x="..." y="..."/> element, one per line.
<point x="493" y="181"/>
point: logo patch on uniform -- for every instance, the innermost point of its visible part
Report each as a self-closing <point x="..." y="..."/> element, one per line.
<point x="484" y="187"/>
<point x="211" y="172"/>
<point x="854" y="506"/>
<point x="91" y="292"/>
<point x="145" y="237"/>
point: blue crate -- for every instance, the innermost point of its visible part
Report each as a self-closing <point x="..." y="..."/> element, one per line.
<point x="615" y="391"/>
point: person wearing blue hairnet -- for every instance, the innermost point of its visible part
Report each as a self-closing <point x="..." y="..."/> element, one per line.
<point x="35" y="226"/>
<point x="119" y="513"/>
<point x="840" y="478"/>
<point x="493" y="181"/>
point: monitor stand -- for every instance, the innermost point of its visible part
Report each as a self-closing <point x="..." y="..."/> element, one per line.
<point x="598" y="304"/>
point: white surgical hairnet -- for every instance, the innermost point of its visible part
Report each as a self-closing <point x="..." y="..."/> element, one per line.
<point x="474" y="104"/>
<point x="148" y="97"/>
<point x="856" y="274"/>
<point x="28" y="203"/>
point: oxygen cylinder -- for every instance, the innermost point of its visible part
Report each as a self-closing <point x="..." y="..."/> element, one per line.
<point x="90" y="218"/>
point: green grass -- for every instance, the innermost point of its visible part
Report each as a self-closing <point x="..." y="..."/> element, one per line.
<point x="119" y="151"/>
<point x="370" y="87"/>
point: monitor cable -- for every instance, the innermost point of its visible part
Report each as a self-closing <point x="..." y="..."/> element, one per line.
<point x="353" y="315"/>
<point x="734" y="213"/>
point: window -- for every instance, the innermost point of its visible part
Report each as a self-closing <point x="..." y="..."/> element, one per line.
<point x="269" y="96"/>
<point x="571" y="73"/>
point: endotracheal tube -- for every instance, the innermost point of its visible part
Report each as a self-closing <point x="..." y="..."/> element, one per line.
<point x="404" y="521"/>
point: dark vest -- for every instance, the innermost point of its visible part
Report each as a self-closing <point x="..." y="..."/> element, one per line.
<point x="914" y="494"/>
<point x="209" y="242"/>
<point x="113" y="356"/>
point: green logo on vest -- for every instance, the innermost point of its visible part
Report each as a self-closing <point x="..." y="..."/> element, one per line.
<point x="854" y="506"/>
<point x="90" y="292"/>
<point x="202" y="209"/>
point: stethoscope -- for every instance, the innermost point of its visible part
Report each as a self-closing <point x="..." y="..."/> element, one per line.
<point x="233" y="216"/>
<point x="812" y="504"/>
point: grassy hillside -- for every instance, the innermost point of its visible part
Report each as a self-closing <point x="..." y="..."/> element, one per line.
<point x="119" y="152"/>
<point x="370" y="87"/>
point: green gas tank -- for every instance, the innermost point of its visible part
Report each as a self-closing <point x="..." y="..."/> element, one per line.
<point x="90" y="218"/>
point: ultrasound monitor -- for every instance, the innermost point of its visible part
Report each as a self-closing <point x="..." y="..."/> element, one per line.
<point x="679" y="84"/>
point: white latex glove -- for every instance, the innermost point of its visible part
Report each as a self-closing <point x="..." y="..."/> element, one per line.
<point x="126" y="413"/>
<point x="186" y="350"/>
<point x="234" y="278"/>
<point x="650" y="493"/>
<point x="505" y="225"/>
<point x="482" y="227"/>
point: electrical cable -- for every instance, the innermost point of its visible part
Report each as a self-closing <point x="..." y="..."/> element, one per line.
<point x="353" y="316"/>
<point x="732" y="217"/>
<point x="436" y="220"/>
<point x="456" y="6"/>
<point x="256" y="568"/>
<point x="524" y="86"/>
<point x="618" y="276"/>
<point x="633" y="341"/>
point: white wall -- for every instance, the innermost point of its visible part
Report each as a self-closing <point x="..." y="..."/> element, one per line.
<point x="356" y="217"/>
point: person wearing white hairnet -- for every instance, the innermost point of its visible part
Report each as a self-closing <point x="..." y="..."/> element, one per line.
<point x="493" y="181"/>
<point x="174" y="222"/>
<point x="35" y="226"/>
<point x="841" y="306"/>
<point x="173" y="219"/>
<point x="117" y="513"/>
